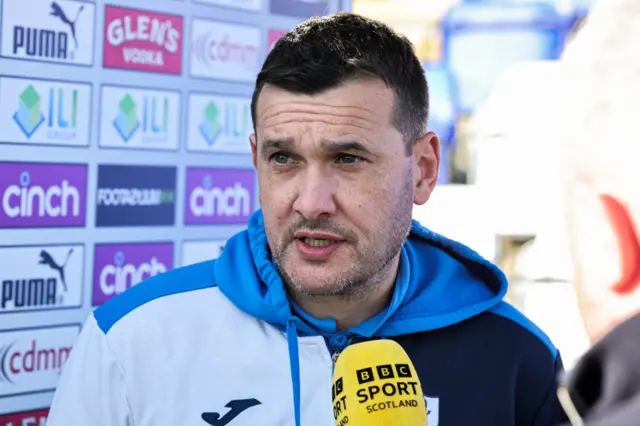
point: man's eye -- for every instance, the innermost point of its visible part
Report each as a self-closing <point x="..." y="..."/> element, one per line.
<point x="349" y="159"/>
<point x="280" y="158"/>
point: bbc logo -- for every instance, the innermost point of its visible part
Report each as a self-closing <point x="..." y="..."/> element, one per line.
<point x="384" y="372"/>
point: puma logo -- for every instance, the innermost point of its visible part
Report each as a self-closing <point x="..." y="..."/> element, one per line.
<point x="47" y="259"/>
<point x="236" y="407"/>
<point x="57" y="11"/>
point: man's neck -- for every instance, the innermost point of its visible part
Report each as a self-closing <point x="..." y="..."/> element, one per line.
<point x="350" y="310"/>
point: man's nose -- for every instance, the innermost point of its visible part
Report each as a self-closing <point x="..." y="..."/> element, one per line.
<point x="316" y="195"/>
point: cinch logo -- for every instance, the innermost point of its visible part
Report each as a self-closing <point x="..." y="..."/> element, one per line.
<point x="210" y="200"/>
<point x="26" y="418"/>
<point x="62" y="118"/>
<point x="122" y="266"/>
<point x="219" y="196"/>
<point x="119" y="276"/>
<point x="31" y="359"/>
<point x="42" y="195"/>
<point x="227" y="51"/>
<point x="27" y="200"/>
<point x="56" y="31"/>
<point x="34" y="278"/>
<point x="141" y="40"/>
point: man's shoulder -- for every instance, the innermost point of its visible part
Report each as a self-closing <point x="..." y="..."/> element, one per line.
<point x="179" y="288"/>
<point x="517" y="325"/>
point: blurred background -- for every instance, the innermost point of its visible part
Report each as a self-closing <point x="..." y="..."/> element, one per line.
<point x="491" y="70"/>
<point x="135" y="114"/>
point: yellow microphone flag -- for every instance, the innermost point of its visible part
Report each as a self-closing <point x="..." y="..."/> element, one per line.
<point x="375" y="384"/>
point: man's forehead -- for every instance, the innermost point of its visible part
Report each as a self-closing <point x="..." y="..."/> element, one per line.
<point x="366" y="98"/>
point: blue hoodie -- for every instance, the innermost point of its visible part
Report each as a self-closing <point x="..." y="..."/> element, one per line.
<point x="174" y="347"/>
<point x="440" y="283"/>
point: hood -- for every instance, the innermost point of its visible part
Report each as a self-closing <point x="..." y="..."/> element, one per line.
<point x="604" y="387"/>
<point x="440" y="282"/>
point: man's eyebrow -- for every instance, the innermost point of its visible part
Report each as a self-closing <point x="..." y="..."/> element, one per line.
<point x="273" y="144"/>
<point x="332" y="146"/>
<point x="345" y="146"/>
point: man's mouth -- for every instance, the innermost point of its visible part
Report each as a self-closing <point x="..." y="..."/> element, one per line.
<point x="316" y="242"/>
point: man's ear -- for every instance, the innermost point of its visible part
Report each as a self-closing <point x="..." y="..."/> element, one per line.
<point x="629" y="247"/>
<point x="254" y="149"/>
<point x="426" y="166"/>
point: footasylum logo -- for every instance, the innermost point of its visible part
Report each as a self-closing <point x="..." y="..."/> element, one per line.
<point x="40" y="277"/>
<point x="42" y="195"/>
<point x="118" y="267"/>
<point x="31" y="359"/>
<point x="50" y="31"/>
<point x="219" y="196"/>
<point x="223" y="126"/>
<point x="135" y="195"/>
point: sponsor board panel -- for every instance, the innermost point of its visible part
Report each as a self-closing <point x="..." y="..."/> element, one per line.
<point x="201" y="250"/>
<point x="44" y="112"/>
<point x="142" y="40"/>
<point x="31" y="359"/>
<point x="45" y="277"/>
<point x="118" y="267"/>
<point x="37" y="195"/>
<point x="60" y="31"/>
<point x="135" y="118"/>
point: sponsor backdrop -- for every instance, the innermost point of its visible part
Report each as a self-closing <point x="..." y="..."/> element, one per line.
<point x="124" y="153"/>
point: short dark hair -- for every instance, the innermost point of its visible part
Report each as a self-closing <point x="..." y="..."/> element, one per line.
<point x="323" y="52"/>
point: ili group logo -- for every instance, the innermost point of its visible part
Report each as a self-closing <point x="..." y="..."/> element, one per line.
<point x="223" y="125"/>
<point x="142" y="119"/>
<point x="29" y="116"/>
<point x="155" y="113"/>
<point x="44" y="112"/>
<point x="229" y="119"/>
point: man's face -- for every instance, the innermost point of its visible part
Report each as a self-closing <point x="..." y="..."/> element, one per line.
<point x="336" y="185"/>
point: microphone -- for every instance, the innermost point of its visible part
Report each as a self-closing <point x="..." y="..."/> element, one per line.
<point x="375" y="384"/>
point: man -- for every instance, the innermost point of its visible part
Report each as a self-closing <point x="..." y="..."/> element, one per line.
<point x="332" y="258"/>
<point x="603" y="213"/>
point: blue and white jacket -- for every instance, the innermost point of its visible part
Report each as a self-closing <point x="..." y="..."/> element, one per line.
<point x="220" y="343"/>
